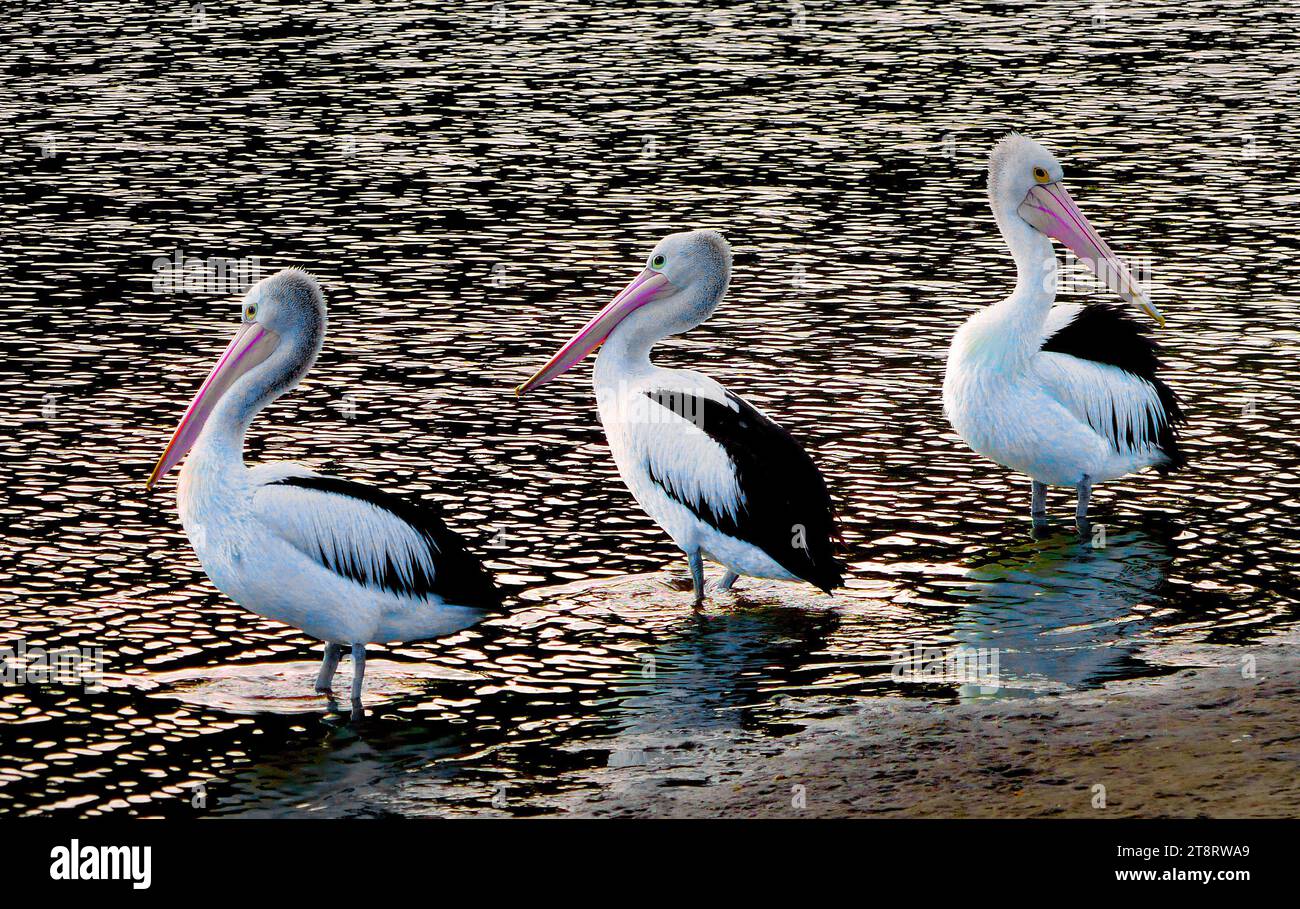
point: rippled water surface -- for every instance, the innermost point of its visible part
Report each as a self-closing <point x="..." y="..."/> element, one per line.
<point x="470" y="181"/>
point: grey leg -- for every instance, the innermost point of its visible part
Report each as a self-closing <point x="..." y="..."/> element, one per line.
<point x="727" y="580"/>
<point x="1081" y="510"/>
<point x="358" y="673"/>
<point x="1038" y="506"/>
<point x="697" y="576"/>
<point x="325" y="679"/>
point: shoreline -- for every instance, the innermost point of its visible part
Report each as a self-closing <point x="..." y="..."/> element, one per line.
<point x="1209" y="741"/>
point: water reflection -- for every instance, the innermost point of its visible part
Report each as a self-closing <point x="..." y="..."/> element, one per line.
<point x="1063" y="613"/>
<point x="711" y="663"/>
<point x="696" y="673"/>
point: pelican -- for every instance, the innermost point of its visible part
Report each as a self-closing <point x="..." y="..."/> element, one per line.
<point x="726" y="482"/>
<point x="343" y="561"/>
<point x="1067" y="394"/>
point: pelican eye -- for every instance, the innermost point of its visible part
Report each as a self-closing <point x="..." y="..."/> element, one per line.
<point x="1041" y="175"/>
<point x="250" y="312"/>
<point x="658" y="261"/>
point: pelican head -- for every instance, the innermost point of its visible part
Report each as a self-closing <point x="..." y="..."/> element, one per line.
<point x="276" y="344"/>
<point x="1025" y="186"/>
<point x="682" y="284"/>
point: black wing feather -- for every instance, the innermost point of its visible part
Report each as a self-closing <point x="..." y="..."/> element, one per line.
<point x="459" y="576"/>
<point x="1105" y="334"/>
<point x="782" y="488"/>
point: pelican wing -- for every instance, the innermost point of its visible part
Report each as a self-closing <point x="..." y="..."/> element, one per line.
<point x="1102" y="367"/>
<point x="755" y="483"/>
<point x="374" y="538"/>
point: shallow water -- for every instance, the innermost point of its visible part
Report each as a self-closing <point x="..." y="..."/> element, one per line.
<point x="470" y="185"/>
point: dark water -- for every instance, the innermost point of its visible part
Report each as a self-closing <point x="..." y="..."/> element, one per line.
<point x="470" y="182"/>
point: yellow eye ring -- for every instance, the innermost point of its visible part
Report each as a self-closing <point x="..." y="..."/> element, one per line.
<point x="250" y="311"/>
<point x="1042" y="176"/>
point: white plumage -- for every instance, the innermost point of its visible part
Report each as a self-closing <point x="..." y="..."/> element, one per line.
<point x="346" y="563"/>
<point x="672" y="467"/>
<point x="1051" y="416"/>
<point x="270" y="549"/>
<point x="352" y="533"/>
<point x="1116" y="405"/>
<point x="1066" y="394"/>
<point x="725" y="481"/>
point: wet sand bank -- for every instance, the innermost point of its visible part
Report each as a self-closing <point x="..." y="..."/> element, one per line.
<point x="1213" y="741"/>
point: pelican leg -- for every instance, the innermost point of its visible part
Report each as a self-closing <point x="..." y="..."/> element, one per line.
<point x="697" y="576"/>
<point x="727" y="580"/>
<point x="358" y="675"/>
<point x="325" y="678"/>
<point x="1038" y="505"/>
<point x="1081" y="510"/>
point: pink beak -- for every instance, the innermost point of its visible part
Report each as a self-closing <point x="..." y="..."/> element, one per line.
<point x="251" y="345"/>
<point x="1049" y="208"/>
<point x="644" y="288"/>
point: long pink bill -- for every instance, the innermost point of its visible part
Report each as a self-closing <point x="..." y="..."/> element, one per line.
<point x="1050" y="208"/>
<point x="644" y="288"/>
<point x="251" y="345"/>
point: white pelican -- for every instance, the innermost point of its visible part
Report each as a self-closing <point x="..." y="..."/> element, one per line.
<point x="346" y="563"/>
<point x="1065" y="394"/>
<point x="718" y="475"/>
